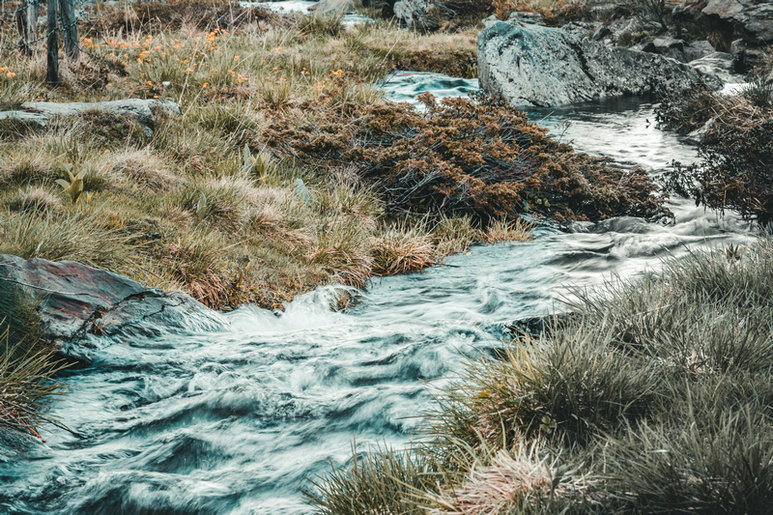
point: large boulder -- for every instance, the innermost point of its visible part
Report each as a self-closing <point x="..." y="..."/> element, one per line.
<point x="81" y="306"/>
<point x="749" y="19"/>
<point x="544" y="66"/>
<point x="144" y="111"/>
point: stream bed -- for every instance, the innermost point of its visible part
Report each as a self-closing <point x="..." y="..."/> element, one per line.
<point x="236" y="421"/>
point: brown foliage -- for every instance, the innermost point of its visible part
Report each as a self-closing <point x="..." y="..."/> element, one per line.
<point x="477" y="157"/>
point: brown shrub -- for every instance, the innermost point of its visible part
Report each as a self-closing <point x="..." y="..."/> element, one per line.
<point x="464" y="157"/>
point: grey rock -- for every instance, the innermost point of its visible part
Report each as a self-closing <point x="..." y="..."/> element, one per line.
<point x="545" y="66"/>
<point x="40" y="113"/>
<point x="602" y="33"/>
<point x="670" y="47"/>
<point x="698" y="49"/>
<point x="301" y="191"/>
<point x="525" y="17"/>
<point x="418" y="14"/>
<point x="335" y="6"/>
<point x="697" y="135"/>
<point x="750" y="19"/>
<point x="79" y="304"/>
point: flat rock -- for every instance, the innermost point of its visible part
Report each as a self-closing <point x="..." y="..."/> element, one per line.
<point x="143" y="110"/>
<point x="82" y="307"/>
<point x="544" y="66"/>
<point x="334" y="6"/>
<point x="697" y="49"/>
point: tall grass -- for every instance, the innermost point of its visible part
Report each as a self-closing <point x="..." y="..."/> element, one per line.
<point x="27" y="366"/>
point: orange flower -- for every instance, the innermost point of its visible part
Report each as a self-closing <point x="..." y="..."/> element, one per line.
<point x="10" y="75"/>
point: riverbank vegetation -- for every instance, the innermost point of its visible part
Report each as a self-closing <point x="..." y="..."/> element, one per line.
<point x="283" y="172"/>
<point x="653" y="396"/>
<point x="27" y="365"/>
<point x="736" y="148"/>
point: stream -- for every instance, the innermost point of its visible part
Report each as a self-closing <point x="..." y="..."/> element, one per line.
<point x="237" y="421"/>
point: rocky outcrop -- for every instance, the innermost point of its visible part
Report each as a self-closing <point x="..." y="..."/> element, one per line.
<point x="77" y="304"/>
<point x="143" y="110"/>
<point x="543" y="66"/>
<point x="750" y="19"/>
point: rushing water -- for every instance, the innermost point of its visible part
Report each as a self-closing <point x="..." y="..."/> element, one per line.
<point x="237" y="420"/>
<point x="305" y="7"/>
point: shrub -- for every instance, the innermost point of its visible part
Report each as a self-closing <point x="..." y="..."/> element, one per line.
<point x="483" y="159"/>
<point x="27" y="365"/>
<point x="220" y="201"/>
<point x="378" y="482"/>
<point x="400" y="250"/>
<point x="26" y="383"/>
<point x="71" y="236"/>
<point x="34" y="198"/>
<point x="736" y="152"/>
<point x="725" y="466"/>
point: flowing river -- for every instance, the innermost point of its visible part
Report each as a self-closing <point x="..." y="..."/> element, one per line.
<point x="237" y="421"/>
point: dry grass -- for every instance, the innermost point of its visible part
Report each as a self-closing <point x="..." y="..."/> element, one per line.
<point x="188" y="208"/>
<point x="400" y="250"/>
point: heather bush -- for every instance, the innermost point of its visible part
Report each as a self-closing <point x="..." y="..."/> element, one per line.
<point x="480" y="158"/>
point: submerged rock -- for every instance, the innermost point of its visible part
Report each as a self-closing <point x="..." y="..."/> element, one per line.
<point x="77" y="302"/>
<point x="543" y="66"/>
<point x="143" y="110"/>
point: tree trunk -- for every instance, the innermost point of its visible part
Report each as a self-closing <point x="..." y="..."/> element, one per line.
<point x="69" y="29"/>
<point x="52" y="70"/>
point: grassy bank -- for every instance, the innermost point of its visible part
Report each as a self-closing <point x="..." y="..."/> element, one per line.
<point x="284" y="171"/>
<point x="655" y="397"/>
<point x="204" y="205"/>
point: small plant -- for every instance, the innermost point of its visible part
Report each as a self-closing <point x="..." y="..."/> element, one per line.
<point x="73" y="187"/>
<point x="760" y="92"/>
